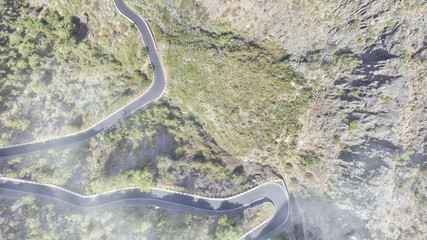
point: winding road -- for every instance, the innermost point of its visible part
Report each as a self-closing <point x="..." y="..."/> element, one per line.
<point x="152" y="94"/>
<point x="273" y="192"/>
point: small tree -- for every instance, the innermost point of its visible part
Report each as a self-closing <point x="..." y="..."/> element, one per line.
<point x="64" y="30"/>
<point x="226" y="229"/>
<point x="64" y="45"/>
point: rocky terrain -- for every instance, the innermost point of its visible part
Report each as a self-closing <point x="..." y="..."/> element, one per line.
<point x="368" y="124"/>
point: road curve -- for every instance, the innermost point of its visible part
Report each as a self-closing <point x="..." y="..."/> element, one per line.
<point x="273" y="192"/>
<point x="152" y="94"/>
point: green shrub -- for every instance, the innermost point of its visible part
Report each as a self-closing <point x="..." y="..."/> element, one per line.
<point x="226" y="229"/>
<point x="370" y="42"/>
<point x="353" y="125"/>
<point x="307" y="159"/>
<point x="347" y="61"/>
<point x="336" y="139"/>
<point x="73" y="129"/>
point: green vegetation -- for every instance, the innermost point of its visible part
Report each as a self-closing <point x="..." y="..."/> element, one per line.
<point x="184" y="227"/>
<point x="356" y="92"/>
<point x="226" y="229"/>
<point x="385" y="98"/>
<point x="347" y="61"/>
<point x="370" y="38"/>
<point x="232" y="85"/>
<point x="18" y="124"/>
<point x="337" y="139"/>
<point x="65" y="41"/>
<point x="256" y="215"/>
<point x="355" y="24"/>
<point x="353" y="125"/>
<point x="405" y="156"/>
<point x="51" y="72"/>
<point x="307" y="159"/>
<point x="406" y="56"/>
<point x="370" y="42"/>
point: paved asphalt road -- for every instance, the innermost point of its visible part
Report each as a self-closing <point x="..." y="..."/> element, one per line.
<point x="275" y="193"/>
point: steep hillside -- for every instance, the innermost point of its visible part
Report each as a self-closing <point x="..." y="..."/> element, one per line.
<point x="368" y="123"/>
